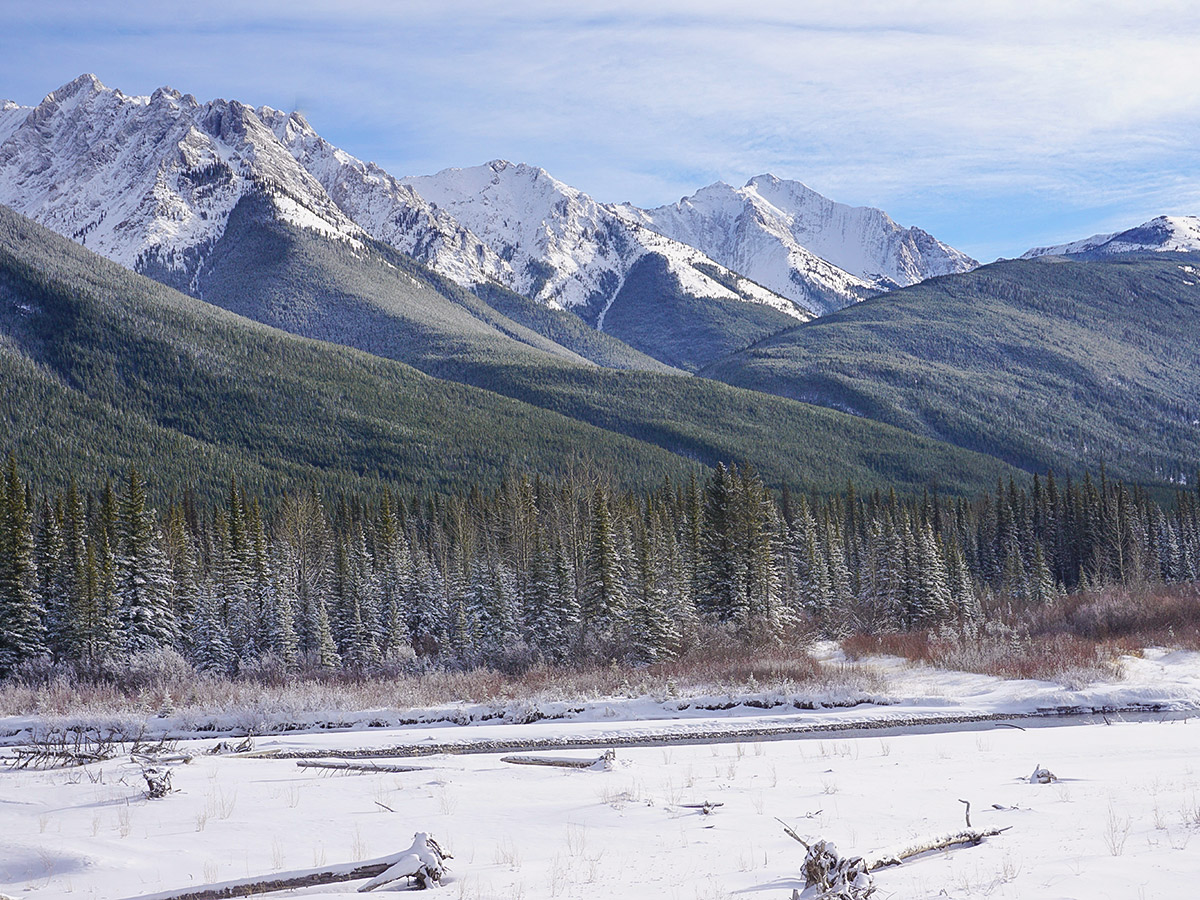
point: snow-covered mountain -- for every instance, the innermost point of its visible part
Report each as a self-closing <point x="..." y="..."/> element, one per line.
<point x="820" y="254"/>
<point x="388" y="209"/>
<point x="1164" y="234"/>
<point x="569" y="251"/>
<point x="150" y="181"/>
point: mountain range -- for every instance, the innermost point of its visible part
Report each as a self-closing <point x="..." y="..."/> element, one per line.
<point x="498" y="284"/>
<point x="151" y="183"/>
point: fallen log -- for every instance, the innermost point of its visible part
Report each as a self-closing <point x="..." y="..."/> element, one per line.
<point x="423" y="862"/>
<point x="604" y="761"/>
<point x="38" y="758"/>
<point x="357" y="767"/>
<point x="969" y="837"/>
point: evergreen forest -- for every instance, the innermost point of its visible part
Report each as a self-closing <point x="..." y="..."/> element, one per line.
<point x="537" y="571"/>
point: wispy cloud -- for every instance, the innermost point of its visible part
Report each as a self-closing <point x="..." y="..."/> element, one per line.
<point x="992" y="126"/>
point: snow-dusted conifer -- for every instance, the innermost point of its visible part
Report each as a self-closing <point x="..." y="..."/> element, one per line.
<point x="143" y="584"/>
<point x="54" y="581"/>
<point x="211" y="650"/>
<point x="603" y="600"/>
<point x="327" y="652"/>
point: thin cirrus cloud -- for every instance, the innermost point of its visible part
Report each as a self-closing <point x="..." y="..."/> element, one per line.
<point x="993" y="129"/>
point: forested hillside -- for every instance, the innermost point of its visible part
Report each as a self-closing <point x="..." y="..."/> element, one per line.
<point x="1049" y="363"/>
<point x="104" y="368"/>
<point x="120" y="363"/>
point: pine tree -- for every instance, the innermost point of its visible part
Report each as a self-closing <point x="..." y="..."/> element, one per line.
<point x="182" y="565"/>
<point x="721" y="590"/>
<point x="931" y="602"/>
<point x="963" y="596"/>
<point x="810" y="568"/>
<point x="279" y="633"/>
<point x="1041" y="582"/>
<point x="650" y="632"/>
<point x="53" y="580"/>
<point x="80" y="616"/>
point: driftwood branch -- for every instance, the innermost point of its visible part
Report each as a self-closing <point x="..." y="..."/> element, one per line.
<point x="423" y="862"/>
<point x="357" y="767"/>
<point x="840" y="877"/>
<point x="158" y="782"/>
<point x="969" y="837"/>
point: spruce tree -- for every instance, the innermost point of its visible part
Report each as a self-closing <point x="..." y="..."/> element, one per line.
<point x="22" y="635"/>
<point x="211" y="650"/>
<point x="54" y="581"/>
<point x="142" y="581"/>
<point x="73" y="577"/>
<point x="603" y="600"/>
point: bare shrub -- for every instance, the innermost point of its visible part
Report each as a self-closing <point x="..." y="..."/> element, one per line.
<point x="1075" y="639"/>
<point x="266" y="695"/>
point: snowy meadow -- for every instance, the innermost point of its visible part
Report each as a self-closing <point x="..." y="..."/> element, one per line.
<point x="1117" y="820"/>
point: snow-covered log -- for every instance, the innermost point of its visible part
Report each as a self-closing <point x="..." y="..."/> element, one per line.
<point x="605" y="761"/>
<point x="158" y="782"/>
<point x="968" y="837"/>
<point x="1042" y="776"/>
<point x="839" y="877"/>
<point x="424" y="862"/>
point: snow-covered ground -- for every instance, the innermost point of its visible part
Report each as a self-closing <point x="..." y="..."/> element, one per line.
<point x="1119" y="822"/>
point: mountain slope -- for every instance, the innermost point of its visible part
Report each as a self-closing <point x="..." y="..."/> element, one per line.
<point x="820" y="254"/>
<point x="149" y="182"/>
<point x="293" y="277"/>
<point x="103" y="368"/>
<point x="152" y="183"/>
<point x="166" y="369"/>
<point x="1044" y="363"/>
<point x="1164" y="234"/>
<point x="155" y="182"/>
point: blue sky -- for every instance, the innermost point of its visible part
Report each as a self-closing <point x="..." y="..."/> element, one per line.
<point x="994" y="126"/>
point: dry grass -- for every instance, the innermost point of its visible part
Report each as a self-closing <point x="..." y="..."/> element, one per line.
<point x="718" y="665"/>
<point x="1074" y="640"/>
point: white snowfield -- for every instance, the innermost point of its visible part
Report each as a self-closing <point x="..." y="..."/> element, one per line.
<point x="1122" y="820"/>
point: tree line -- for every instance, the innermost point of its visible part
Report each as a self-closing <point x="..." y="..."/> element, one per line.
<point x="541" y="571"/>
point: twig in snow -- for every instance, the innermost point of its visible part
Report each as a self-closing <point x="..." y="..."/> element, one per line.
<point x="968" y="813"/>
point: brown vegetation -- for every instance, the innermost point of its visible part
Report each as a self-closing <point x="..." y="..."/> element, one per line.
<point x="164" y="682"/>
<point x="1072" y="639"/>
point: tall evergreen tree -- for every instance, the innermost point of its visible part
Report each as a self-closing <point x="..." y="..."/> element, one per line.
<point x="22" y="637"/>
<point x="143" y="586"/>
